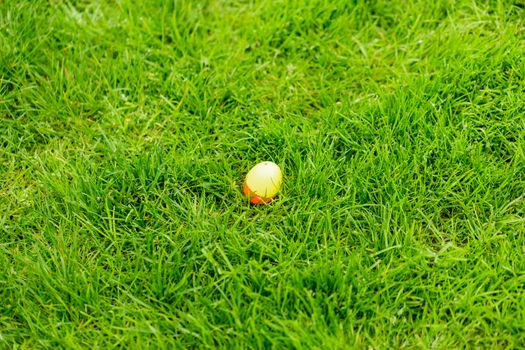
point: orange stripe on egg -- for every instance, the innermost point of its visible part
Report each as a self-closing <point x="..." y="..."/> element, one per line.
<point x="254" y="197"/>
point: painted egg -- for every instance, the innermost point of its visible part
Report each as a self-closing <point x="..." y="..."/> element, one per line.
<point x="263" y="182"/>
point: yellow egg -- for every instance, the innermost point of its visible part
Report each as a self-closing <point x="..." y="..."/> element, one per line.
<point x="263" y="182"/>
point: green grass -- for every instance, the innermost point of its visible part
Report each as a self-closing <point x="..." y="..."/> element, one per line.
<point x="126" y="128"/>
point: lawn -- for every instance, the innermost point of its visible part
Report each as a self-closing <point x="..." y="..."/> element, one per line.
<point x="126" y="130"/>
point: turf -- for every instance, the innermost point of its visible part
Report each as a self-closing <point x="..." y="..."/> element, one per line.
<point x="126" y="128"/>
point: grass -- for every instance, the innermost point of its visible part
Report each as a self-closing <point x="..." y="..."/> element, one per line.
<point x="126" y="128"/>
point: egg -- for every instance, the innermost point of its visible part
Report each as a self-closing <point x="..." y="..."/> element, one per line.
<point x="263" y="182"/>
